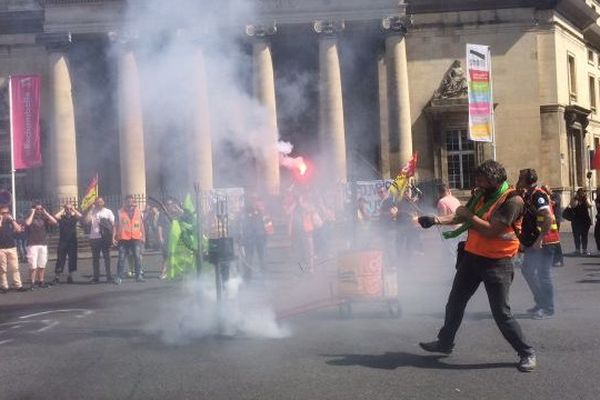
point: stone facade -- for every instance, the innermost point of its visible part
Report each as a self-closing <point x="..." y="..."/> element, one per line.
<point x="545" y="58"/>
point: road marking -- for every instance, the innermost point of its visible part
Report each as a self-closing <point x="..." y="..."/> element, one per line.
<point x="84" y="313"/>
<point x="25" y="322"/>
<point x="49" y="324"/>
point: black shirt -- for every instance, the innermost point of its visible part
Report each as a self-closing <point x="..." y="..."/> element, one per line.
<point x="67" y="227"/>
<point x="7" y="235"/>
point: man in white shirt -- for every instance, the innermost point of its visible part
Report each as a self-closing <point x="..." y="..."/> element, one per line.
<point x="102" y="234"/>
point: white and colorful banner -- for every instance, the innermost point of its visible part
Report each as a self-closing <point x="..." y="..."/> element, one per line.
<point x="481" y="104"/>
<point x="25" y="120"/>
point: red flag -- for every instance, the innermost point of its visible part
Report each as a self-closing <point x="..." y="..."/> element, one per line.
<point x="596" y="159"/>
<point x="25" y="120"/>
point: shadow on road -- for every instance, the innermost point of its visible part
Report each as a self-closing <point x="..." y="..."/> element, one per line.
<point x="392" y="361"/>
<point x="478" y="316"/>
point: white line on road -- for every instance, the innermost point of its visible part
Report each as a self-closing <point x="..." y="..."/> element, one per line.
<point x="83" y="312"/>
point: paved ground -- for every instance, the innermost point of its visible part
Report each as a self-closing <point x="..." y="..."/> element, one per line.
<point x="156" y="340"/>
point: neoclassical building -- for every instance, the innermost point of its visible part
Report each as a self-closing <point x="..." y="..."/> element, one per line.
<point x="357" y="86"/>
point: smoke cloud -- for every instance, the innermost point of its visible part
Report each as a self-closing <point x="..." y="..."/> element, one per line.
<point x="194" y="313"/>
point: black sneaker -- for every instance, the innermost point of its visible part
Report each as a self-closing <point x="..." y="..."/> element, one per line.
<point x="95" y="280"/>
<point x="42" y="285"/>
<point x="57" y="280"/>
<point x="436" y="347"/>
<point x="69" y="279"/>
<point x="22" y="289"/>
<point x="527" y="363"/>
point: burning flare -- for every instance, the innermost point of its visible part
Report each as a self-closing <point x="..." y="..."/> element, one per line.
<point x="291" y="163"/>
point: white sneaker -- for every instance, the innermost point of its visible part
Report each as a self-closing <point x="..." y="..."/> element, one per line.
<point x="527" y="363"/>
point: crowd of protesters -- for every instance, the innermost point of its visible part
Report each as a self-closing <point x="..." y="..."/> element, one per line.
<point x="310" y="223"/>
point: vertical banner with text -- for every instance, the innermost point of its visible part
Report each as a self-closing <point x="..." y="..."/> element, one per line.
<point x="25" y="120"/>
<point x="481" y="105"/>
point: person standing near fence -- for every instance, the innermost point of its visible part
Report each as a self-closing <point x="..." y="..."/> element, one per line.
<point x="38" y="222"/>
<point x="67" y="241"/>
<point x="21" y="240"/>
<point x="130" y="238"/>
<point x="165" y="220"/>
<point x="256" y="227"/>
<point x="102" y="222"/>
<point x="9" y="260"/>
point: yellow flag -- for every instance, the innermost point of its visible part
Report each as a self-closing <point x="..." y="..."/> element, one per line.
<point x="91" y="194"/>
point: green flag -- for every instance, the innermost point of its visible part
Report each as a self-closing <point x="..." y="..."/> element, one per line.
<point x="183" y="241"/>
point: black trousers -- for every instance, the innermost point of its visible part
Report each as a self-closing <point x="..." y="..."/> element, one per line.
<point x="66" y="248"/>
<point x="497" y="276"/>
<point x="100" y="246"/>
<point x="597" y="234"/>
<point x="580" y="235"/>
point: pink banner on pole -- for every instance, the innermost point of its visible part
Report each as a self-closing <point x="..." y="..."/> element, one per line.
<point x="25" y="119"/>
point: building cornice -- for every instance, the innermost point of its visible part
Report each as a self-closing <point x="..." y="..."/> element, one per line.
<point x="439" y="6"/>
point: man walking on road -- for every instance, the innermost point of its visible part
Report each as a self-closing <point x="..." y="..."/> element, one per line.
<point x="492" y="216"/>
<point x="540" y="233"/>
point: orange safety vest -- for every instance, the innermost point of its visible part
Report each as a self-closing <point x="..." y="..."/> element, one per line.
<point x="502" y="246"/>
<point x="552" y="237"/>
<point x="130" y="228"/>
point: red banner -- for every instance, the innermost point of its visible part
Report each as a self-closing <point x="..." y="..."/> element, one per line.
<point x="25" y="119"/>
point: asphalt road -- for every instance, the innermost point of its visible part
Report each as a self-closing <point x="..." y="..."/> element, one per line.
<point x="158" y="340"/>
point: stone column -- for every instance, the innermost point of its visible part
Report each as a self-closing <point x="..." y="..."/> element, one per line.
<point x="201" y="168"/>
<point x="332" y="131"/>
<point x="264" y="91"/>
<point x="62" y="139"/>
<point x="131" y="127"/>
<point x="384" y="123"/>
<point x="401" y="144"/>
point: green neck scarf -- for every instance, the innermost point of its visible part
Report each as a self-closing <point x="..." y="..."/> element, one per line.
<point x="473" y="201"/>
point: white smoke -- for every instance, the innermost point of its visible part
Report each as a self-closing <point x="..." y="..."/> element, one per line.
<point x="194" y="313"/>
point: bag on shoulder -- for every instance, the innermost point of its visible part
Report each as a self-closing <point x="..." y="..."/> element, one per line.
<point x="106" y="229"/>
<point x="568" y="213"/>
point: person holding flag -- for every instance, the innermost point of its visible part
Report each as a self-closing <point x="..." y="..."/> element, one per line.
<point x="492" y="218"/>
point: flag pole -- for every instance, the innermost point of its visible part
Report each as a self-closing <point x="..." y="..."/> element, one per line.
<point x="12" y="150"/>
<point x="493" y="111"/>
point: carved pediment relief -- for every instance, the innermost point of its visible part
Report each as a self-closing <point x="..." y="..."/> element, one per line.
<point x="454" y="84"/>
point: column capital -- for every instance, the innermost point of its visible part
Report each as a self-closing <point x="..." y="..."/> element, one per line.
<point x="397" y="24"/>
<point x="328" y="27"/>
<point x="261" y="30"/>
<point x="124" y="39"/>
<point x="54" y="41"/>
